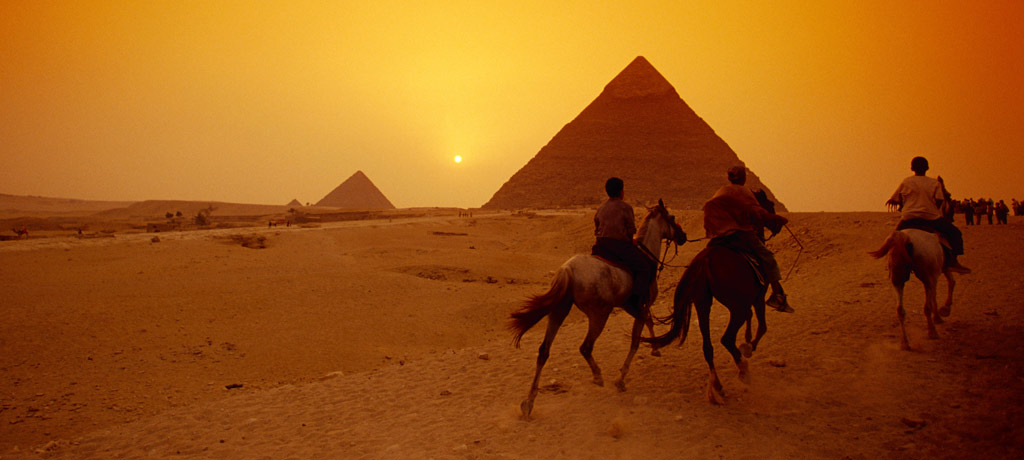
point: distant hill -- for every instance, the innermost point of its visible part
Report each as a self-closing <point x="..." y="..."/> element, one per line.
<point x="159" y="208"/>
<point x="357" y="192"/>
<point x="18" y="206"/>
<point x="638" y="129"/>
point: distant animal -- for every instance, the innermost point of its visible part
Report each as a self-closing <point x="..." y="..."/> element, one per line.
<point x="918" y="252"/>
<point x="21" y="232"/>
<point x="596" y="287"/>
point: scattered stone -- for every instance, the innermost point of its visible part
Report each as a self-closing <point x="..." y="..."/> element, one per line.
<point x="777" y="363"/>
<point x="155" y="239"/>
<point x="446" y="393"/>
<point x="484" y="356"/>
<point x="616" y="430"/>
<point x="232" y="386"/>
<point x="332" y="375"/>
<point x="913" y="423"/>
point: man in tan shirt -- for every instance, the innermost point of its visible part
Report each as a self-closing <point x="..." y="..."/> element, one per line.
<point x="919" y="198"/>
<point x="614" y="227"/>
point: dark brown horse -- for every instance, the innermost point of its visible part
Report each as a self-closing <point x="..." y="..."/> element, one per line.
<point x="721" y="273"/>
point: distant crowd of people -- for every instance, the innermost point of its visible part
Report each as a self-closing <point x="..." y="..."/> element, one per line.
<point x="973" y="210"/>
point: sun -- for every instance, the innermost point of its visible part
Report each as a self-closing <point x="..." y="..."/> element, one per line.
<point x="458" y="158"/>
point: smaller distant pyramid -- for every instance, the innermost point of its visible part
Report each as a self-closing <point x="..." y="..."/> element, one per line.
<point x="356" y="192"/>
<point x="294" y="203"/>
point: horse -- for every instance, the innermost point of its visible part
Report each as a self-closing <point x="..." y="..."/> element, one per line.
<point x="596" y="287"/>
<point x="718" y="272"/>
<point x="920" y="252"/>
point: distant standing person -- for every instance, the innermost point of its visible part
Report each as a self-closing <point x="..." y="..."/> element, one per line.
<point x="979" y="210"/>
<point x="969" y="211"/>
<point x="919" y="199"/>
<point x="1002" y="212"/>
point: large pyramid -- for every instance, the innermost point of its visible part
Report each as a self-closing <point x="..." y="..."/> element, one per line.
<point x="356" y="192"/>
<point x="638" y="129"/>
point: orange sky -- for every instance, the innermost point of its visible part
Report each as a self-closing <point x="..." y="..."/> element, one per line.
<point x="262" y="102"/>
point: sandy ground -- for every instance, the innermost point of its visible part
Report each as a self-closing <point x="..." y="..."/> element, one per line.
<point x="387" y="340"/>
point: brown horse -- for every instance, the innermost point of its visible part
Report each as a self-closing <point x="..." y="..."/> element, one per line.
<point x="596" y="288"/>
<point x="721" y="273"/>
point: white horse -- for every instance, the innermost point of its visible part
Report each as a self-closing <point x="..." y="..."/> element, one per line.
<point x="596" y="287"/>
<point x="918" y="252"/>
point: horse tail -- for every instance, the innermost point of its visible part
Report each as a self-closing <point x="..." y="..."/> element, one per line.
<point x="538" y="306"/>
<point x="898" y="246"/>
<point x="682" y="305"/>
<point x="895" y="243"/>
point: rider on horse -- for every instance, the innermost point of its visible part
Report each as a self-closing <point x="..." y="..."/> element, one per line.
<point x="733" y="214"/>
<point x="920" y="199"/>
<point x="614" y="227"/>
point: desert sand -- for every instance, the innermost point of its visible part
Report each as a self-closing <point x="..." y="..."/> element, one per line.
<point x="387" y="339"/>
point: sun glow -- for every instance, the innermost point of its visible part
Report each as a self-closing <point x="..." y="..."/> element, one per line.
<point x="458" y="158"/>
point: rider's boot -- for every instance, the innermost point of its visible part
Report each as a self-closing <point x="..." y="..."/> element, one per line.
<point x="954" y="266"/>
<point x="634" y="305"/>
<point x="778" y="299"/>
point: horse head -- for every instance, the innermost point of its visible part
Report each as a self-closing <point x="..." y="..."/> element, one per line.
<point x="670" y="230"/>
<point x="762" y="199"/>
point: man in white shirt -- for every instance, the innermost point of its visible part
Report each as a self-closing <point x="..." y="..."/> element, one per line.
<point x="919" y="199"/>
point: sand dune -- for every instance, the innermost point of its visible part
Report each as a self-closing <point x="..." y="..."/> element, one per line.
<point x="377" y="339"/>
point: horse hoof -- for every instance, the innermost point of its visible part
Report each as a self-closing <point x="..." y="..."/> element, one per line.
<point x="656" y="352"/>
<point x="933" y="336"/>
<point x="744" y="373"/>
<point x="599" y="381"/>
<point x="944" y="312"/>
<point x="905" y="347"/>
<point x="938" y="319"/>
<point x="526" y="407"/>
<point x="714" y="397"/>
<point x="747" y="350"/>
<point x="621" y="385"/>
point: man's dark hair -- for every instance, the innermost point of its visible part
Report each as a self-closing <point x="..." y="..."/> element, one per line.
<point x="919" y="164"/>
<point x="613" y="186"/>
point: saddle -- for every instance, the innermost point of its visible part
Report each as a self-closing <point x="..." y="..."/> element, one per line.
<point x="925" y="226"/>
<point x="612" y="263"/>
<point x="733" y="243"/>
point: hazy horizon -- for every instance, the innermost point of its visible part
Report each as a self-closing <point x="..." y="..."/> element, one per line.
<point x="264" y="103"/>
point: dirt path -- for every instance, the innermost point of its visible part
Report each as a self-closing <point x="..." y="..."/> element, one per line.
<point x="828" y="381"/>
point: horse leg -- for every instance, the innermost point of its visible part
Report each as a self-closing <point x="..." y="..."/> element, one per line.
<point x="930" y="306"/>
<point x="747" y="348"/>
<point x="634" y="343"/>
<point x="703" y="307"/>
<point x="596" y="322"/>
<point x="902" y="315"/>
<point x="650" y="328"/>
<point x="762" y="324"/>
<point x="555" y="319"/>
<point x="947" y="308"/>
<point x="736" y="320"/>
